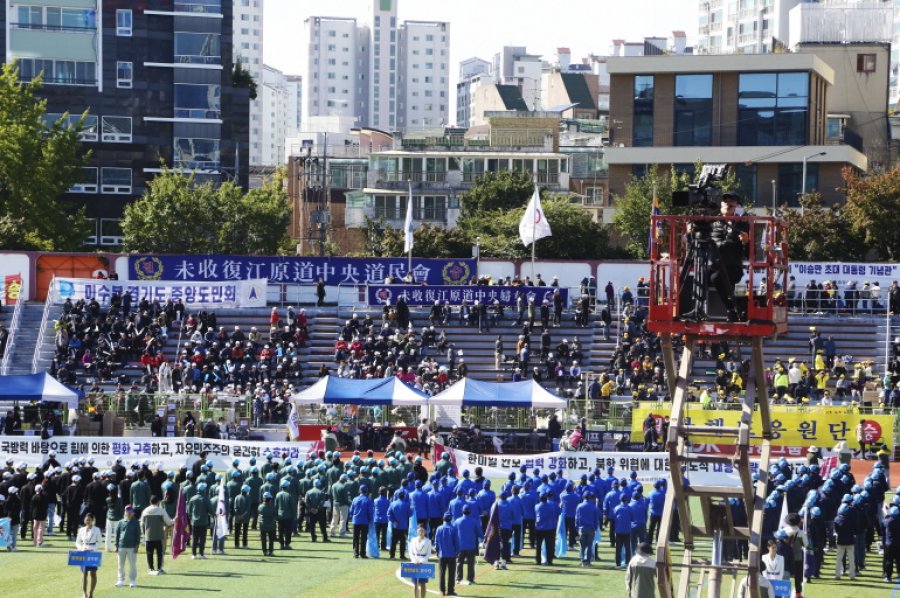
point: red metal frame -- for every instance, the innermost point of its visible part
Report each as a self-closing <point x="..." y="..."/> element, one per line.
<point x="767" y="252"/>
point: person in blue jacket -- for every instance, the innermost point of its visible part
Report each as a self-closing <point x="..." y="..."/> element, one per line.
<point x="362" y="514"/>
<point x="518" y="519"/>
<point x="419" y="500"/>
<point x="610" y="502"/>
<point x="468" y="532"/>
<point x="633" y="482"/>
<point x="546" y="516"/>
<point x="657" y="500"/>
<point x="622" y="520"/>
<point x="587" y="519"/>
<point x="569" y="501"/>
<point x="398" y="515"/>
<point x="435" y="510"/>
<point x="530" y="499"/>
<point x="473" y="504"/>
<point x="505" y="515"/>
<point x="446" y="545"/>
<point x="486" y="500"/>
<point x="510" y="482"/>
<point x="457" y="504"/>
<point x="638" y="506"/>
<point x="382" y="504"/>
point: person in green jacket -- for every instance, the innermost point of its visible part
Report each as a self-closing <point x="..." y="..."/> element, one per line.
<point x="140" y="494"/>
<point x="267" y="525"/>
<point x="340" y="506"/>
<point x="270" y="486"/>
<point x="240" y="516"/>
<point x="304" y="484"/>
<point x="315" y="510"/>
<point x="128" y="538"/>
<point x="115" y="510"/>
<point x="256" y="483"/>
<point x="199" y="512"/>
<point x="284" y="510"/>
<point x="188" y="487"/>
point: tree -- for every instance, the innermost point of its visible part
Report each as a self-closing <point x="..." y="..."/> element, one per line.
<point x="179" y="215"/>
<point x="38" y="163"/>
<point x="504" y="190"/>
<point x="241" y="77"/>
<point x="872" y="212"/>
<point x="818" y="233"/>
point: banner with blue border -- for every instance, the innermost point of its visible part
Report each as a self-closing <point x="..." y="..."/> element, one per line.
<point x="457" y="294"/>
<point x="86" y="558"/>
<point x="417" y="570"/>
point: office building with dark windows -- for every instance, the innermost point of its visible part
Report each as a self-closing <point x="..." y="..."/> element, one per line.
<point x="765" y="115"/>
<point x="155" y="79"/>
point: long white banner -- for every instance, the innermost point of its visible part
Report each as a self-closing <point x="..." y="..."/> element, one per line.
<point x="649" y="466"/>
<point x="238" y="293"/>
<point x="171" y="453"/>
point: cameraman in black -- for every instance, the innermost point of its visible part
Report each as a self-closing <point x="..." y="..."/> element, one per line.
<point x="730" y="237"/>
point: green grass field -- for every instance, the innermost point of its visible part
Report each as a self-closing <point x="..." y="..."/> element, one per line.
<point x="329" y="571"/>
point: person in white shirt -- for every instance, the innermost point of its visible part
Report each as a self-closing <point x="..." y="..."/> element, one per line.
<point x="419" y="552"/>
<point x="88" y="539"/>
<point x="765" y="588"/>
<point x="773" y="562"/>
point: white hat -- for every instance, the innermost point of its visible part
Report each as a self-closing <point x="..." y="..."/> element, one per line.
<point x="13" y="490"/>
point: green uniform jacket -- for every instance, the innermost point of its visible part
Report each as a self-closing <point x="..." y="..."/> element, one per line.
<point x="189" y="489"/>
<point x="234" y="490"/>
<point x="304" y="486"/>
<point x="333" y="475"/>
<point x="199" y="510"/>
<point x="340" y="497"/>
<point x="285" y="505"/>
<point x="128" y="534"/>
<point x="314" y="499"/>
<point x="255" y="482"/>
<point x="241" y="507"/>
<point x="352" y="488"/>
<point x="267" y="487"/>
<point x="140" y="495"/>
<point x="266" y="517"/>
<point x="114" y="508"/>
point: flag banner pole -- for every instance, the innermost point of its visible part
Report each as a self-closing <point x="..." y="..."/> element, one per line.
<point x="533" y="233"/>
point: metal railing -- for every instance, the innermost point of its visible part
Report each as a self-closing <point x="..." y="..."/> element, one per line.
<point x="48" y="303"/>
<point x="11" y="339"/>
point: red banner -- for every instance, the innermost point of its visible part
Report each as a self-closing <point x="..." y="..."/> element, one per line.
<point x="12" y="288"/>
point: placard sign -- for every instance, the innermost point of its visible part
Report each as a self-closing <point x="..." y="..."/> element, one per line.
<point x="85" y="558"/>
<point x="417" y="570"/>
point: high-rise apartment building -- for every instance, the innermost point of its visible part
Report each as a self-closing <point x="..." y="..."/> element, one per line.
<point x="472" y="72"/>
<point x="155" y="80"/>
<point x="273" y="102"/>
<point x="294" y="105"/>
<point x="389" y="75"/>
<point x="248" y="50"/>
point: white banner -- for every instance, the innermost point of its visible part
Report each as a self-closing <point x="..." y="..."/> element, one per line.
<point x="171" y="453"/>
<point x="238" y="293"/>
<point x="840" y="273"/>
<point x="649" y="466"/>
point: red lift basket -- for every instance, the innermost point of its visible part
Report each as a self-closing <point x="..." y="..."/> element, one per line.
<point x="767" y="252"/>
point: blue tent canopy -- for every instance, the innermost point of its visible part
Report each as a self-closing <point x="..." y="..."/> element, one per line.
<point x="475" y="393"/>
<point x="37" y="387"/>
<point x="350" y="391"/>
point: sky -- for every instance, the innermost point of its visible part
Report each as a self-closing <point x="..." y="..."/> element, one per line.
<point x="482" y="27"/>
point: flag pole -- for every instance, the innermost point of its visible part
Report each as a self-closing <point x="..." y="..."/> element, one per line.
<point x="533" y="232"/>
<point x="409" y="210"/>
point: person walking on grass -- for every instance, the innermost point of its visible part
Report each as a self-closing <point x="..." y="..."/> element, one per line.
<point x="640" y="578"/>
<point x="154" y="521"/>
<point x="199" y="510"/>
<point x="88" y="540"/>
<point x="446" y="544"/>
<point x="266" y="523"/>
<point x="128" y="538"/>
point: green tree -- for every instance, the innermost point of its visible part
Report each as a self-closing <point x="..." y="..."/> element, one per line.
<point x="241" y="77"/>
<point x="504" y="190"/>
<point x="818" y="233"/>
<point x="872" y="210"/>
<point x="179" y="215"/>
<point x="38" y="163"/>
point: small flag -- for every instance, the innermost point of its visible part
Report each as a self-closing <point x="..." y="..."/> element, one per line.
<point x="293" y="424"/>
<point x="221" y="514"/>
<point x="372" y="542"/>
<point x="408" y="224"/>
<point x="492" y="537"/>
<point x="413" y="530"/>
<point x="180" y="534"/>
<point x="828" y="464"/>
<point x="534" y="225"/>
<point x="562" y="544"/>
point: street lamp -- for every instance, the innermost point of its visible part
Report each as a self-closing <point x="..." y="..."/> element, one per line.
<point x="774" y="198"/>
<point x="803" y="178"/>
<point x="476" y="253"/>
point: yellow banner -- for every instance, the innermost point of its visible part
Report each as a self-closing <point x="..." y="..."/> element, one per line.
<point x="823" y="427"/>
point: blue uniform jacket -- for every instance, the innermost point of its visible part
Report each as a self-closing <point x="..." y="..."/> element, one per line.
<point x="420" y="504"/>
<point x="529" y="500"/>
<point x="638" y="510"/>
<point x="610" y="502"/>
<point x="468" y="532"/>
<point x="486" y="500"/>
<point x="446" y="542"/>
<point x="518" y="509"/>
<point x="398" y="514"/>
<point x="362" y="510"/>
<point x="623" y="517"/>
<point x="456" y="507"/>
<point x="382" y="505"/>
<point x="569" y="502"/>
<point x="657" y="502"/>
<point x="587" y="516"/>
<point x="546" y="516"/>
<point x="435" y="510"/>
<point x="505" y="512"/>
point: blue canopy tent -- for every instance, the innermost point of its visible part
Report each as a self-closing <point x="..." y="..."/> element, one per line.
<point x="476" y="393"/>
<point x="37" y="387"/>
<point x="350" y="391"/>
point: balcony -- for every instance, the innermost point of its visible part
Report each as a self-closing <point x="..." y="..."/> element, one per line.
<point x="43" y="27"/>
<point x="399" y="179"/>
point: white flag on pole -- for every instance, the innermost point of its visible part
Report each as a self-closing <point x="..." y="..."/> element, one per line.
<point x="293" y="424"/>
<point x="221" y="514"/>
<point x="408" y="224"/>
<point x="534" y="225"/>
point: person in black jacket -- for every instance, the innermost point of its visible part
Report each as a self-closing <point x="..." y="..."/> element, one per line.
<point x="14" y="512"/>
<point x="39" y="506"/>
<point x="891" y="556"/>
<point x="846" y="526"/>
<point x="73" y="497"/>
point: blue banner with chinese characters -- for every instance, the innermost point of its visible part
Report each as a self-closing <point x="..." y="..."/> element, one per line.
<point x="333" y="271"/>
<point x="238" y="293"/>
<point x="457" y="294"/>
<point x="85" y="558"/>
<point x="417" y="570"/>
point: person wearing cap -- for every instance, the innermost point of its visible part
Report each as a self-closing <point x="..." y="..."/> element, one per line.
<point x="154" y="521"/>
<point x="285" y="511"/>
<point x="846" y="527"/>
<point x="340" y="506"/>
<point x="587" y="520"/>
<point x="128" y="538"/>
<point x="38" y="515"/>
<point x="315" y="500"/>
<point x="468" y="534"/>
<point x="115" y="511"/>
<point x="199" y="510"/>
<point x="73" y="497"/>
<point x="362" y="514"/>
<point x="140" y="494"/>
<point x="446" y="545"/>
<point x="266" y="522"/>
<point x="87" y="540"/>
<point x="13" y="509"/>
<point x="623" y="518"/>
<point x="546" y="517"/>
<point x="891" y="557"/>
<point x="640" y="577"/>
<point x="240" y="516"/>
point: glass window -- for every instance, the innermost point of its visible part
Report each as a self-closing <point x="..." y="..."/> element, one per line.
<point x="211" y="6"/>
<point x="693" y="110"/>
<point x="124" y="74"/>
<point x="197" y="101"/>
<point x="642" y="132"/>
<point x="123" y="22"/>
<point x="746" y="178"/>
<point x="117" y="129"/>
<point x="790" y="182"/>
<point x="773" y="108"/>
<point x="30" y="16"/>
<point x="111" y="232"/>
<point x="115" y="180"/>
<point x="91" y="239"/>
<point x="87" y="181"/>
<point x="199" y="154"/>
<point x="197" y="48"/>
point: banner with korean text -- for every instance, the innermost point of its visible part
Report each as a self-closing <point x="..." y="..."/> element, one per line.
<point x="455" y="295"/>
<point x="820" y="426"/>
<point x="210" y="295"/>
<point x="649" y="466"/>
<point x="333" y="271"/>
<point x="171" y="453"/>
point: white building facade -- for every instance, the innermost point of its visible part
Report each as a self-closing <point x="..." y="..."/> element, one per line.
<point x="248" y="50"/>
<point x="472" y="72"/>
<point x="422" y="98"/>
<point x="273" y="101"/>
<point x="294" y="105"/>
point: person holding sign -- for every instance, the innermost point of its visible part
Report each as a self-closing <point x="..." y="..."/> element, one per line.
<point x="88" y="539"/>
<point x="419" y="551"/>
